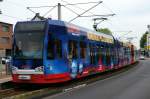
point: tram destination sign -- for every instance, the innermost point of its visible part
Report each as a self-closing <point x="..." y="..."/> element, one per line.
<point x="30" y="26"/>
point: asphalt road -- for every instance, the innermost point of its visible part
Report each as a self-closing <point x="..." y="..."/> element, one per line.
<point x="132" y="84"/>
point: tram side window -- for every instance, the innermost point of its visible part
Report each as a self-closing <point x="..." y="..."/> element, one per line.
<point x="99" y="53"/>
<point x="91" y="58"/>
<point x="92" y="54"/>
<point x="82" y="50"/>
<point x="72" y="49"/>
<point x="54" y="46"/>
<point x="108" y="56"/>
<point x="58" y="47"/>
<point x="103" y="55"/>
<point x="50" y="49"/>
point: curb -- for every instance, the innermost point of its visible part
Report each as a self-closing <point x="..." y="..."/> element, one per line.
<point x="43" y="92"/>
<point x="32" y="94"/>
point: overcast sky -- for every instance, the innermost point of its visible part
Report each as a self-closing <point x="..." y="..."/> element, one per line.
<point x="131" y="15"/>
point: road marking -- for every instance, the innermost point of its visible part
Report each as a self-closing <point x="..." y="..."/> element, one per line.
<point x="79" y="86"/>
<point x="66" y="91"/>
<point x="75" y="87"/>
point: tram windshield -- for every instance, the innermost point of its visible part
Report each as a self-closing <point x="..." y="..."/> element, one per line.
<point x="28" y="45"/>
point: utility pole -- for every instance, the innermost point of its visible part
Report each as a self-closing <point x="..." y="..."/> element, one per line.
<point x="59" y="11"/>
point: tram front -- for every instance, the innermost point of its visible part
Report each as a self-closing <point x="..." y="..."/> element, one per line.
<point x="28" y="45"/>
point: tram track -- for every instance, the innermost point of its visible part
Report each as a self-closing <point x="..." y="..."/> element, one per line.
<point x="10" y="92"/>
<point x="34" y="91"/>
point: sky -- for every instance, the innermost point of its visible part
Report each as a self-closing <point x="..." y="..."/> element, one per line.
<point x="131" y="19"/>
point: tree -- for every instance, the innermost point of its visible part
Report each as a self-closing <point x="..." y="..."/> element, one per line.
<point x="143" y="40"/>
<point x="105" y="31"/>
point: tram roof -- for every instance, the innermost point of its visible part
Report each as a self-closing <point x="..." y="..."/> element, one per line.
<point x="71" y="28"/>
<point x="82" y="30"/>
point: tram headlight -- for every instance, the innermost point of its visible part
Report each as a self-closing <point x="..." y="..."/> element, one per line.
<point x="14" y="68"/>
<point x="39" y="69"/>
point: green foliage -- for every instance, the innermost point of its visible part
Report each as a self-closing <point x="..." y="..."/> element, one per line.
<point x="143" y="40"/>
<point x="105" y="31"/>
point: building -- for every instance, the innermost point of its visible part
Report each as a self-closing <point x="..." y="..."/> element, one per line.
<point x="6" y="31"/>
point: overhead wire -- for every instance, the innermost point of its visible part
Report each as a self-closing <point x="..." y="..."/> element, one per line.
<point x="80" y="3"/>
<point x="78" y="15"/>
<point x="28" y="8"/>
<point x="49" y="11"/>
<point x="106" y="15"/>
<point x="43" y="6"/>
<point x="86" y="11"/>
<point x="104" y="5"/>
<point x="76" y="6"/>
<point x="93" y="15"/>
<point x="71" y="10"/>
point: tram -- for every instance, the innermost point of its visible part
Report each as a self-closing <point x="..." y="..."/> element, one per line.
<point x="53" y="51"/>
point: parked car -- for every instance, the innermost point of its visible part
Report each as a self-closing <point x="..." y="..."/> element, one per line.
<point x="6" y="59"/>
<point x="142" y="57"/>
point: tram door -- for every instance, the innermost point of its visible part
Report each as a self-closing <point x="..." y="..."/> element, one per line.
<point x="92" y="55"/>
<point x="103" y="55"/>
<point x="83" y="51"/>
<point x="54" y="62"/>
<point x="73" y="57"/>
<point x="107" y="57"/>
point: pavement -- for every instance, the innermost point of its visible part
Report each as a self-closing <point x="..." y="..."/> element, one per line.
<point x="4" y="77"/>
<point x="132" y="84"/>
